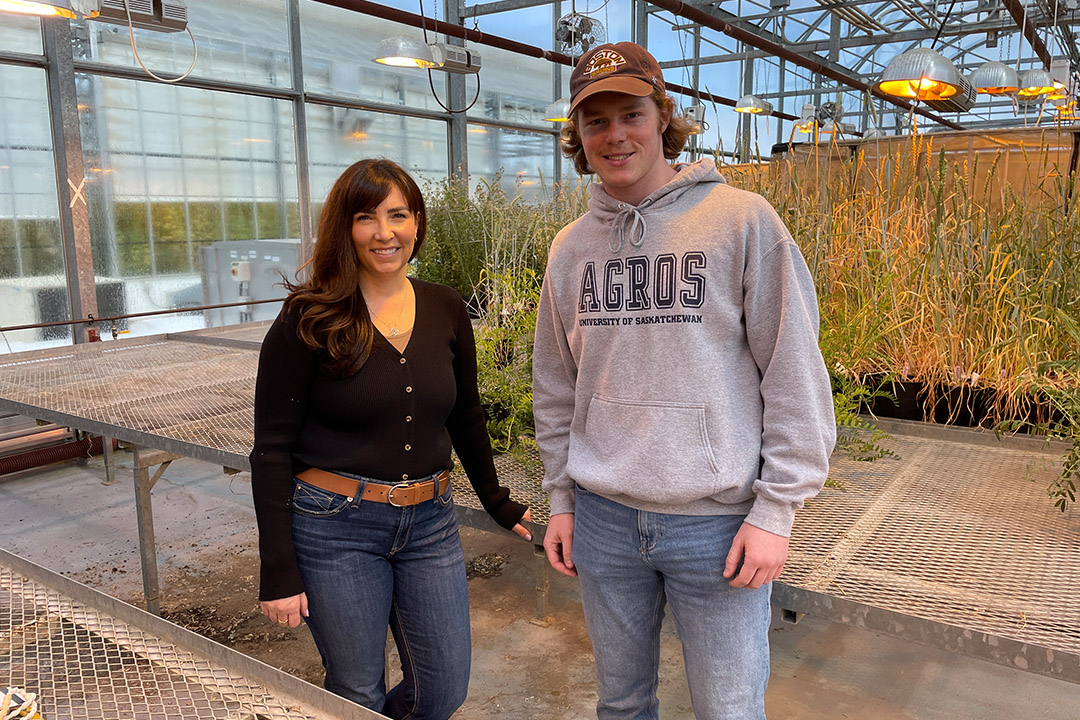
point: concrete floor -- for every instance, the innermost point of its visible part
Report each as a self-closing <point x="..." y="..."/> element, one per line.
<point x="66" y="519"/>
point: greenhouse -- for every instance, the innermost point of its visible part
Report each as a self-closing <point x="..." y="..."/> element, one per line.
<point x="837" y="279"/>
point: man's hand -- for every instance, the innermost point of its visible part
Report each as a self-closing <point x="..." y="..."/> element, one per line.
<point x="559" y="543"/>
<point x="521" y="529"/>
<point x="286" y="611"/>
<point x="762" y="553"/>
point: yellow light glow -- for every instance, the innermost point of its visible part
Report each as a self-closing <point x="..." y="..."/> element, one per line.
<point x="256" y="140"/>
<point x="806" y="128"/>
<point x="29" y="7"/>
<point x="100" y="170"/>
<point x="752" y="110"/>
<point x="1035" y="91"/>
<point x="1059" y="92"/>
<point x="478" y="130"/>
<point x="409" y="62"/>
<point x="556" y="119"/>
<point x="356" y="136"/>
<point x="922" y="89"/>
<point x="996" y="90"/>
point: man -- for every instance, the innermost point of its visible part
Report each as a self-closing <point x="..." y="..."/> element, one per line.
<point x="683" y="410"/>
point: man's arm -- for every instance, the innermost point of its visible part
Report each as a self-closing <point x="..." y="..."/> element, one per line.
<point x="798" y="425"/>
<point x="554" y="384"/>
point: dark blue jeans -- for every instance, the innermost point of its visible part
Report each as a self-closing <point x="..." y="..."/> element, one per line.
<point x="366" y="565"/>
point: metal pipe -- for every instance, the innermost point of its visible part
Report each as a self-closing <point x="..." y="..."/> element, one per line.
<point x="419" y="21"/>
<point x="1017" y="11"/>
<point x="694" y="14"/>
<point x="47" y="456"/>
<point x="111" y="318"/>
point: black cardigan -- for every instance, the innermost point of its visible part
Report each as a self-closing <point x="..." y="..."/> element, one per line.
<point x="395" y="419"/>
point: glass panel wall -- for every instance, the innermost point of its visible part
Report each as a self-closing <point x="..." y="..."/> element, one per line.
<point x="338" y="137"/>
<point x="186" y="184"/>
<point x="175" y="173"/>
<point x="33" y="287"/>
<point x="339" y="46"/>
<point x="522" y="161"/>
<point x="515" y="88"/>
<point x="243" y="41"/>
<point x="20" y="33"/>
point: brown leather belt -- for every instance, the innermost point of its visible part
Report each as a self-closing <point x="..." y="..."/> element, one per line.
<point x="399" y="495"/>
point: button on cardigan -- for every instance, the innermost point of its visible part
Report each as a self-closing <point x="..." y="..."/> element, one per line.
<point x="396" y="418"/>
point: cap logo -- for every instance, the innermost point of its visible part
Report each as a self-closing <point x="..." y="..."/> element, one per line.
<point x="604" y="62"/>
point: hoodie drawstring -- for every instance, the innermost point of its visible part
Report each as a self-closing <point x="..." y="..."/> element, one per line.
<point x="628" y="222"/>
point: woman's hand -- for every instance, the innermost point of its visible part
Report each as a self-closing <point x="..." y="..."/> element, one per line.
<point x="286" y="611"/>
<point x="520" y="529"/>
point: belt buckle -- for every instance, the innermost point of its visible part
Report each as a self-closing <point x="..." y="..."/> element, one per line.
<point x="390" y="495"/>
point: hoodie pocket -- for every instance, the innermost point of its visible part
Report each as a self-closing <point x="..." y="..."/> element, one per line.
<point x="653" y="451"/>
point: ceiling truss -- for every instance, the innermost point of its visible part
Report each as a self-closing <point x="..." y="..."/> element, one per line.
<point x="849" y="42"/>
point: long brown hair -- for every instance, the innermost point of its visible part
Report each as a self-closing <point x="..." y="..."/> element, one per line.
<point x="675" y="136"/>
<point x="331" y="315"/>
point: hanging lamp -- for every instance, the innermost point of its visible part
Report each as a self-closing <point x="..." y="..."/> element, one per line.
<point x="695" y="118"/>
<point x="807" y="119"/>
<point x="558" y="111"/>
<point x="71" y="9"/>
<point x="995" y="78"/>
<point x="1060" y="92"/>
<point x="754" y="105"/>
<point x="1035" y="83"/>
<point x="402" y="51"/>
<point x="920" y="74"/>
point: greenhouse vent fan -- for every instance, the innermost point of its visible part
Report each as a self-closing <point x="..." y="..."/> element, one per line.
<point x="160" y="15"/>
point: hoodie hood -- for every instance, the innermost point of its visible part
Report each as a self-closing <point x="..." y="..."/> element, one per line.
<point x="629" y="223"/>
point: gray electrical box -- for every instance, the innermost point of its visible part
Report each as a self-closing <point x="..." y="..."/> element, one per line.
<point x="246" y="270"/>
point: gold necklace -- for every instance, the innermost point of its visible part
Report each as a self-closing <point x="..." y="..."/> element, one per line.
<point x="394" y="332"/>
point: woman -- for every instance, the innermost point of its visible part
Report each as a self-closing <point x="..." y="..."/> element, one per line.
<point x="365" y="380"/>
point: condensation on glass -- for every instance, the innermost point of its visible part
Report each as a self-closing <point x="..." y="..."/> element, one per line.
<point x="33" y="288"/>
<point x="240" y="41"/>
<point x="172" y="174"/>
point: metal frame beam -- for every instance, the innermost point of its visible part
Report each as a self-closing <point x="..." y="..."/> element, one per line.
<point x="70" y="174"/>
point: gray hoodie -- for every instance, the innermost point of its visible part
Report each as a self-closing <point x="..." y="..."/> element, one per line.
<point x="676" y="366"/>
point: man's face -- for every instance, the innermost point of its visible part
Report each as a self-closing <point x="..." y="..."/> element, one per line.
<point x="622" y="136"/>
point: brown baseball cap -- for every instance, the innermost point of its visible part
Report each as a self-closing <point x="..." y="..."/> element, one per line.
<point x="623" y="67"/>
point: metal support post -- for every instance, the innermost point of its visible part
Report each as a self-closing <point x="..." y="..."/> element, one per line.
<point x="458" y="132"/>
<point x="144" y="512"/>
<point x="543" y="584"/>
<point x="556" y="93"/>
<point x="746" y="118"/>
<point x="110" y="460"/>
<point x="303" y="180"/>
<point x="70" y="174"/>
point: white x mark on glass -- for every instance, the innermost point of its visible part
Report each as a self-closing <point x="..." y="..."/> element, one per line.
<point x="78" y="192"/>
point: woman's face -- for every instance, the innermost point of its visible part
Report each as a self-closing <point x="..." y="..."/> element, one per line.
<point x="384" y="237"/>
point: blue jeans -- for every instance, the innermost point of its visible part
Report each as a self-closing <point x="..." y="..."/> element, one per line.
<point x="366" y="565"/>
<point x="629" y="562"/>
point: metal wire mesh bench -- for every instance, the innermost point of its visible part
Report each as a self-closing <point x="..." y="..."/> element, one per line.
<point x="88" y="657"/>
<point x="954" y="543"/>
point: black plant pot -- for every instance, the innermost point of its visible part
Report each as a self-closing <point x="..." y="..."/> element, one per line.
<point x="960" y="405"/>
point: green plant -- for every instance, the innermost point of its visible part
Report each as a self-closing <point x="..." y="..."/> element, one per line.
<point x="492" y="248"/>
<point x="504" y="358"/>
